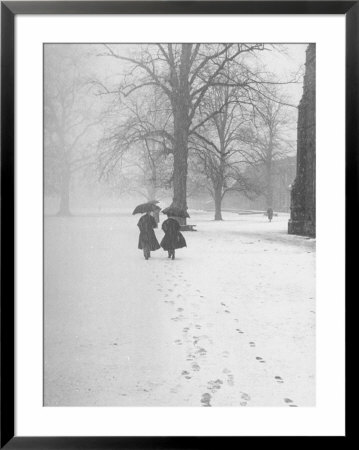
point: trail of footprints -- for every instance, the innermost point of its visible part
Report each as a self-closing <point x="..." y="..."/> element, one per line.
<point x="245" y="397"/>
<point x="199" y="351"/>
<point x="213" y="386"/>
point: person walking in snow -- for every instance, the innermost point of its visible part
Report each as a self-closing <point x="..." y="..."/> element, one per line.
<point x="270" y="214"/>
<point x="147" y="240"/>
<point x="173" y="238"/>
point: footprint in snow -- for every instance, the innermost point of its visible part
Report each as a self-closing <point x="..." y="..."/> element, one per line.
<point x="239" y="331"/>
<point x="245" y="398"/>
<point x="206" y="398"/>
<point x="290" y="402"/>
<point x="186" y="374"/>
<point x="252" y="344"/>
<point x="278" y="379"/>
<point x="214" y="385"/>
<point x="202" y="351"/>
<point x="230" y="380"/>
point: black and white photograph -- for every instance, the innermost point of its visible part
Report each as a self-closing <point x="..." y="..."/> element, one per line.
<point x="179" y="224"/>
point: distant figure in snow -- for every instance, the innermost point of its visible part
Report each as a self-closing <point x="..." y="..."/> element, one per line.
<point x="270" y="214"/>
<point x="147" y="240"/>
<point x="173" y="238"/>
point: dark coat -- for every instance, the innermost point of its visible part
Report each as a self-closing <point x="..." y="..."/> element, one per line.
<point x="173" y="238"/>
<point x="147" y="238"/>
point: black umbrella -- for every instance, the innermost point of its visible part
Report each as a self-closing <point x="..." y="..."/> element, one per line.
<point x="146" y="207"/>
<point x="175" y="212"/>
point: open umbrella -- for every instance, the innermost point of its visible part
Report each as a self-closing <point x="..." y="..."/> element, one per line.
<point x="175" y="212"/>
<point x="146" y="207"/>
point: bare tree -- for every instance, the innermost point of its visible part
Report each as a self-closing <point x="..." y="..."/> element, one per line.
<point x="219" y="144"/>
<point x="271" y="138"/>
<point x="70" y="120"/>
<point x="184" y="73"/>
<point x="137" y="147"/>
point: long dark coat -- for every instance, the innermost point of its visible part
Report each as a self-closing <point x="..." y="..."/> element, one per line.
<point x="147" y="238"/>
<point x="173" y="238"/>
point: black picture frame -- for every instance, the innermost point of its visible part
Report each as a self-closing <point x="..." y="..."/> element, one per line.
<point x="9" y="9"/>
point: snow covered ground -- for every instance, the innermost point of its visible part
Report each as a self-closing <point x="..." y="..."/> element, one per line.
<point x="230" y="322"/>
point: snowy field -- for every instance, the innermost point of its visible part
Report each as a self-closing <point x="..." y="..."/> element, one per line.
<point x="230" y="322"/>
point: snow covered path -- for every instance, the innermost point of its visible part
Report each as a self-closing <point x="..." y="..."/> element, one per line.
<point x="230" y="322"/>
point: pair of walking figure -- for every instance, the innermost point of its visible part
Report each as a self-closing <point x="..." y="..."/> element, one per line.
<point x="172" y="240"/>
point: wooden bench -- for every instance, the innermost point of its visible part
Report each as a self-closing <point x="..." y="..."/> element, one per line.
<point x="188" y="228"/>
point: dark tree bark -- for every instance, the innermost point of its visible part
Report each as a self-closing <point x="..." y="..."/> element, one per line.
<point x="269" y="185"/>
<point x="218" y="196"/>
<point x="180" y="165"/>
<point x="181" y="122"/>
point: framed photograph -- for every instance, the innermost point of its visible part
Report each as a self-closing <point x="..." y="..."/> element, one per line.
<point x="175" y="183"/>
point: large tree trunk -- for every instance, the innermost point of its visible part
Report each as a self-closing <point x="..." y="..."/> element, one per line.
<point x="269" y="189"/>
<point x="218" y="204"/>
<point x="181" y="122"/>
<point x="180" y="169"/>
<point x="269" y="169"/>
<point x="65" y="192"/>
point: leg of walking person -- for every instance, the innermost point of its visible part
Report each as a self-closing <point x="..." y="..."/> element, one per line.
<point x="146" y="252"/>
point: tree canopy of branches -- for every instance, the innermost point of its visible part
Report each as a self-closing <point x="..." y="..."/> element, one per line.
<point x="219" y="145"/>
<point x="270" y="138"/>
<point x="134" y="149"/>
<point x="184" y="73"/>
